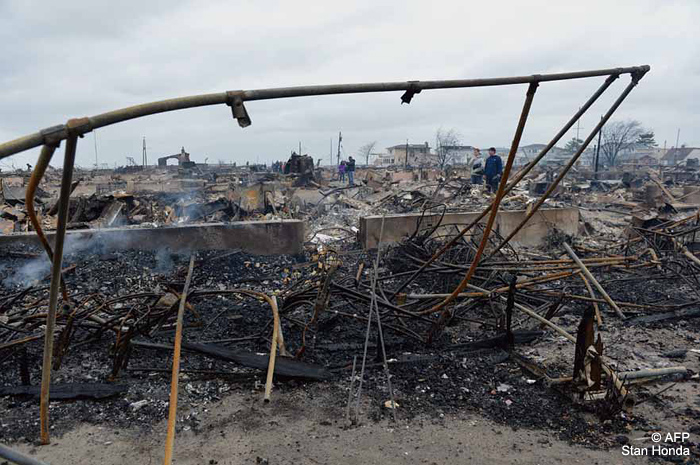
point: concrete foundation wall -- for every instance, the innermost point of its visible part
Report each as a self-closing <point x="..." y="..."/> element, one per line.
<point x="255" y="237"/>
<point x="397" y="227"/>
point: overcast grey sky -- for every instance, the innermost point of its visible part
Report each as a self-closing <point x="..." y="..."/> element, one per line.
<point x="78" y="58"/>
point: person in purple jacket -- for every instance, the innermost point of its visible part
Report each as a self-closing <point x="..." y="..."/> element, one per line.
<point x="341" y="171"/>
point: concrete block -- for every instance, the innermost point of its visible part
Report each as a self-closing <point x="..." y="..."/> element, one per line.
<point x="255" y="237"/>
<point x="397" y="227"/>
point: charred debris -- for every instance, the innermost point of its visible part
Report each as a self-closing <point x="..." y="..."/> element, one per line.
<point x="539" y="330"/>
<point x="415" y="292"/>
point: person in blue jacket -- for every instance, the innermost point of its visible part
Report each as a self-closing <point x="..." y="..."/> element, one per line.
<point x="493" y="170"/>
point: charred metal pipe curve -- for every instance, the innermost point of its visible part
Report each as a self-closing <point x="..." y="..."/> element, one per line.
<point x="47" y="152"/>
<point x="518" y="177"/>
<point x="17" y="457"/>
<point x="530" y="96"/>
<point x="235" y="99"/>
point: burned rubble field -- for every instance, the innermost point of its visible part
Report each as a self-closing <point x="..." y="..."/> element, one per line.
<point x="446" y="377"/>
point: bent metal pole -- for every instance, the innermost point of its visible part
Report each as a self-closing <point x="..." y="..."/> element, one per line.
<point x="496" y="203"/>
<point x="518" y="177"/>
<point x="235" y="99"/>
<point x="536" y="206"/>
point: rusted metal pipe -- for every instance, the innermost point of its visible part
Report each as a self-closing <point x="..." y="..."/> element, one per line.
<point x="497" y="201"/>
<point x="536" y="206"/>
<point x="68" y="162"/>
<point x="594" y="281"/>
<point x="174" y="381"/>
<point x="596" y="308"/>
<point x="518" y="177"/>
<point x="17" y="457"/>
<point x="42" y="163"/>
<point x="619" y="386"/>
<point x="273" y="350"/>
<point x="60" y="132"/>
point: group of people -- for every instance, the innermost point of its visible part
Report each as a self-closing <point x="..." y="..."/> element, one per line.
<point x="349" y="169"/>
<point x="491" y="169"/>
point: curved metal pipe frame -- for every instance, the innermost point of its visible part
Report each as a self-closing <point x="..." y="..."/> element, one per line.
<point x="51" y="137"/>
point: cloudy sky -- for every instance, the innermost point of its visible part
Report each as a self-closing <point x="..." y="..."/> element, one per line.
<point x="78" y="58"/>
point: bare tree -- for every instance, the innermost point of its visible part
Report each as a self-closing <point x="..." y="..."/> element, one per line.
<point x="445" y="139"/>
<point x="617" y="137"/>
<point x="366" y="151"/>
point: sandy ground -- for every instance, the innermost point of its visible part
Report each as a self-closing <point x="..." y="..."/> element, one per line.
<point x="290" y="430"/>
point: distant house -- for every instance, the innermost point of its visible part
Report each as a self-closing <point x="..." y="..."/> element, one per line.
<point x="383" y="159"/>
<point x="418" y="154"/>
<point x="527" y="153"/>
<point x="641" y="156"/>
<point x="680" y="155"/>
<point x="457" y="154"/>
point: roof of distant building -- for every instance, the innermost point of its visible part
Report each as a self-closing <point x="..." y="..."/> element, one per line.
<point x="679" y="153"/>
<point x="457" y="147"/>
<point x="412" y="146"/>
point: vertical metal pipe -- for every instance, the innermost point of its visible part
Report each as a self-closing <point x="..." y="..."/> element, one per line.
<point x="597" y="152"/>
<point x="273" y="349"/>
<point x="175" y="377"/>
<point x="523" y="172"/>
<point x="532" y="88"/>
<point x="571" y="163"/>
<point x="64" y="199"/>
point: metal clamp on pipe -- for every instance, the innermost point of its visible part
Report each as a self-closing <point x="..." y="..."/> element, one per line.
<point x="238" y="110"/>
<point x="412" y="90"/>
<point x="54" y="135"/>
<point x="79" y="126"/>
<point x="639" y="73"/>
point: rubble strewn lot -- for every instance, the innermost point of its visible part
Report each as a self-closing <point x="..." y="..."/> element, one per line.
<point x="533" y="342"/>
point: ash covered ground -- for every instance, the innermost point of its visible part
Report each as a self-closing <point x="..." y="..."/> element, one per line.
<point x="433" y="380"/>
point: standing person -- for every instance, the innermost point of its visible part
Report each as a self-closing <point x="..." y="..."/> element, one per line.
<point x="341" y="171"/>
<point x="493" y="170"/>
<point x="350" y="169"/>
<point x="476" y="168"/>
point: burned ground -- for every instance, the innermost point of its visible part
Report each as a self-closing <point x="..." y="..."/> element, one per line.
<point x="467" y="359"/>
<point x="446" y="377"/>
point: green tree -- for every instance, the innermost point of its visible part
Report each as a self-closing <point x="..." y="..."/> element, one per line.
<point x="647" y="139"/>
<point x="573" y="145"/>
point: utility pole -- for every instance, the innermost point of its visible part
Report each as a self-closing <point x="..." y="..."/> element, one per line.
<point x="578" y="128"/>
<point x="405" y="162"/>
<point x="597" y="151"/>
<point x="94" y="136"/>
<point x="144" y="161"/>
<point x="340" y="139"/>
